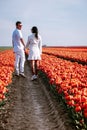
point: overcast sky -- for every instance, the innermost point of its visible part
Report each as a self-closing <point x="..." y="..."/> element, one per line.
<point x="60" y="22"/>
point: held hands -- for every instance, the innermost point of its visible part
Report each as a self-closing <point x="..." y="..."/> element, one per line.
<point x="26" y="51"/>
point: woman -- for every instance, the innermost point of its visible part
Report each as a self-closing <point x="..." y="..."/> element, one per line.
<point x="34" y="43"/>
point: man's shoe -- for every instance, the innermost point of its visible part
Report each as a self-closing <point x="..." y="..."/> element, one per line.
<point x="16" y="74"/>
<point x="23" y="75"/>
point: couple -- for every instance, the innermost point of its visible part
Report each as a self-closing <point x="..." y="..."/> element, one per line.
<point x="34" y="43"/>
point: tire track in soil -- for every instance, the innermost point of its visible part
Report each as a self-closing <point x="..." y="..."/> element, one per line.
<point x="33" y="108"/>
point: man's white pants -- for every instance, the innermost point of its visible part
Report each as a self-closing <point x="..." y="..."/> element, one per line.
<point x="19" y="61"/>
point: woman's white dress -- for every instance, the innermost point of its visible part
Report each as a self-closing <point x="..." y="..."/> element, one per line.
<point x="35" y="47"/>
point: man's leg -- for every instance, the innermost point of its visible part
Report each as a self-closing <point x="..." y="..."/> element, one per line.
<point x="22" y="62"/>
<point x="17" y="60"/>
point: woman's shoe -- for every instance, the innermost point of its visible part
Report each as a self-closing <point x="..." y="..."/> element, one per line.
<point x="34" y="77"/>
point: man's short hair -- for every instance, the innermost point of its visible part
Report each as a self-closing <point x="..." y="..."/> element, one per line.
<point x="18" y="22"/>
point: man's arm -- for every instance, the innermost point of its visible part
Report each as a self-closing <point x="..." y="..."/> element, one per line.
<point x="12" y="43"/>
<point x="22" y="41"/>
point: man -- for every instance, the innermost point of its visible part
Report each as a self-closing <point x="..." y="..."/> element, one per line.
<point x="18" y="46"/>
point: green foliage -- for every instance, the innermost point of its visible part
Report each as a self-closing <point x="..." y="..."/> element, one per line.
<point x="2" y="48"/>
<point x="2" y="103"/>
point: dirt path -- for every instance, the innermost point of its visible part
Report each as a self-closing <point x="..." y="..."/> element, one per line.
<point x="33" y="108"/>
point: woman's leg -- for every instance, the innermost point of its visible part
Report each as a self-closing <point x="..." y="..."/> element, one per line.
<point x="32" y="66"/>
<point x="36" y="66"/>
<point x="34" y="69"/>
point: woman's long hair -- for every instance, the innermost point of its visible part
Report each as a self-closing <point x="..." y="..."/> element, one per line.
<point x="35" y="30"/>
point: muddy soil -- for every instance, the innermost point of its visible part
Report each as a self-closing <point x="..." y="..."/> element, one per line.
<point x="31" y="106"/>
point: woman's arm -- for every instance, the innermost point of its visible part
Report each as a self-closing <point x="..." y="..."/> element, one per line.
<point x="40" y="45"/>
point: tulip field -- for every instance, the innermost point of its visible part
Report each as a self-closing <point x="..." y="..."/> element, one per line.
<point x="65" y="70"/>
<point x="6" y="70"/>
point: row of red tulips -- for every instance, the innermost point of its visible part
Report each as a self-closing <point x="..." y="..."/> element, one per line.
<point x="70" y="80"/>
<point x="79" y="55"/>
<point x="6" y="69"/>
